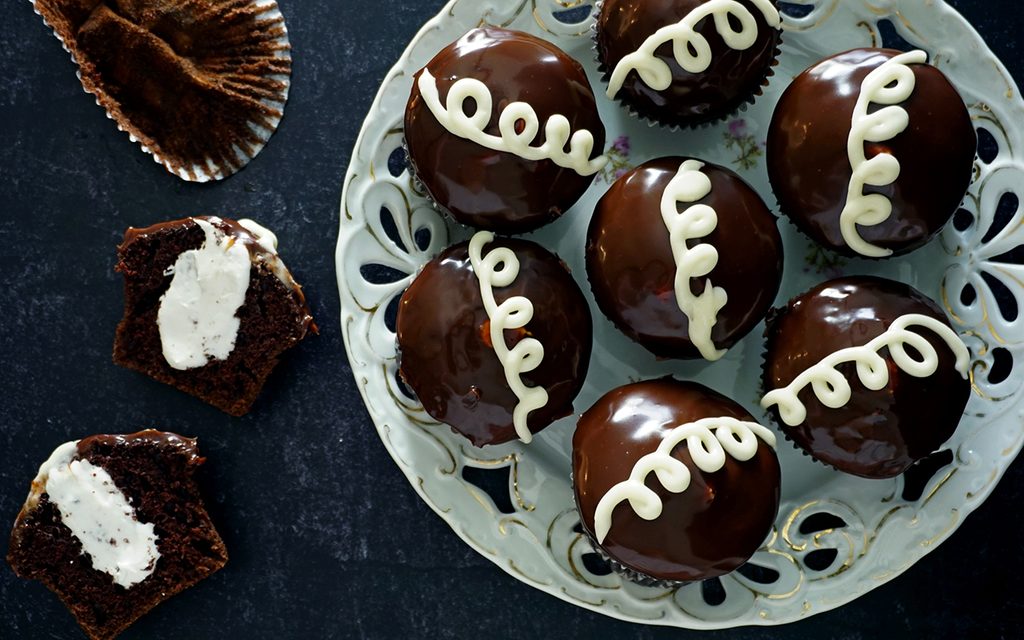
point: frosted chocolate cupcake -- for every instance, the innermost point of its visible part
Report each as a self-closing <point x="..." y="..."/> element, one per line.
<point x="870" y="152"/>
<point x="684" y="257"/>
<point x="674" y="482"/>
<point x="866" y="375"/>
<point x="503" y="131"/>
<point x="687" y="62"/>
<point x="494" y="338"/>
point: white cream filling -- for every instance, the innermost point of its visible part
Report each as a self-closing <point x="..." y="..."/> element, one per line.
<point x="557" y="130"/>
<point x="197" y="318"/>
<point x="690" y="184"/>
<point x="690" y="49"/>
<point x="708" y="441"/>
<point x="833" y="390"/>
<point x="99" y="516"/>
<point x="499" y="268"/>
<point x="890" y="84"/>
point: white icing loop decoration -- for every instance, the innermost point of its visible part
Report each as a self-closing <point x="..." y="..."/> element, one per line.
<point x="690" y="185"/>
<point x="833" y="390"/>
<point x="708" y="441"/>
<point x="499" y="268"/>
<point x="890" y="84"/>
<point x="691" y="49"/>
<point x="452" y="116"/>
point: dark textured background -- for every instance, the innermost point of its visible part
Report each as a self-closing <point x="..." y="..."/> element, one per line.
<point x="326" y="537"/>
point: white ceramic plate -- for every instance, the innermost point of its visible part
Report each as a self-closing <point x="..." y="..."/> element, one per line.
<point x="875" y="530"/>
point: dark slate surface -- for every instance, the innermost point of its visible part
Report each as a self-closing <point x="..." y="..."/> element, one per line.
<point x="326" y="537"/>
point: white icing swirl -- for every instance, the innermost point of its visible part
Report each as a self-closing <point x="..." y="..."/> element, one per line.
<point x="690" y="48"/>
<point x="890" y="84"/>
<point x="833" y="389"/>
<point x="99" y="516"/>
<point x="690" y="184"/>
<point x="499" y="268"/>
<point x="707" y="439"/>
<point x="196" y="318"/>
<point x="452" y="116"/>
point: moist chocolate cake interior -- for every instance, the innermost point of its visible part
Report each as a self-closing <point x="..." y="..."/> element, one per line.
<point x="273" y="318"/>
<point x="154" y="470"/>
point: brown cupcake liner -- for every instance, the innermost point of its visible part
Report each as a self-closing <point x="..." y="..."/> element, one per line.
<point x="264" y="94"/>
<point x="653" y="120"/>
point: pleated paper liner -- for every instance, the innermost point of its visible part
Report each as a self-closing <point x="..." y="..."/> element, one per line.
<point x="204" y="98"/>
<point x="652" y="119"/>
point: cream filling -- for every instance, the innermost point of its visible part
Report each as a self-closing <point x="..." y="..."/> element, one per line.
<point x="890" y="84"/>
<point x="708" y="440"/>
<point x="196" y="319"/>
<point x="557" y="130"/>
<point x="690" y="185"/>
<point x="99" y="516"/>
<point x="833" y="390"/>
<point x="499" y="268"/>
<point x="690" y="49"/>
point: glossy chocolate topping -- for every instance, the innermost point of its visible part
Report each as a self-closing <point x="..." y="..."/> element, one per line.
<point x="497" y="190"/>
<point x="632" y="270"/>
<point x="447" y="358"/>
<point x="809" y="166"/>
<point x="709" y="529"/>
<point x="193" y="81"/>
<point x="878" y="434"/>
<point x="733" y="78"/>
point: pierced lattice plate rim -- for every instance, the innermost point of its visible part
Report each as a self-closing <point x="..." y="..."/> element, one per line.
<point x="837" y="536"/>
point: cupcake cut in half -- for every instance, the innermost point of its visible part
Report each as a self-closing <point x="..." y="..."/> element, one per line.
<point x="209" y="308"/>
<point x="683" y="257"/>
<point x="871" y="152"/>
<point x="494" y="338"/>
<point x="673" y="481"/>
<point x="865" y="375"/>
<point x="687" y="62"/>
<point x="201" y="85"/>
<point x="115" y="525"/>
<point x="503" y="131"/>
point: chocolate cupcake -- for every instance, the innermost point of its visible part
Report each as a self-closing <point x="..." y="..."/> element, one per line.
<point x="114" y="525"/>
<point x="495" y="341"/>
<point x="870" y="152"/>
<point x="684" y="257"/>
<point x="687" y="62"/>
<point x="663" y="469"/>
<point x="503" y="131"/>
<point x="866" y="375"/>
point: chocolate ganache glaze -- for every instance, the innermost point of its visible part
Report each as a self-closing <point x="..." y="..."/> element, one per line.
<point x="877" y="434"/>
<point x="499" y="190"/>
<point x="733" y="78"/>
<point x="632" y="269"/>
<point x="710" y="528"/>
<point x="447" y="357"/>
<point x="810" y="168"/>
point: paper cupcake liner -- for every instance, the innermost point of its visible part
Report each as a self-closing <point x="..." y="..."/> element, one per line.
<point x="266" y="94"/>
<point x="653" y="120"/>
